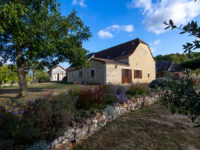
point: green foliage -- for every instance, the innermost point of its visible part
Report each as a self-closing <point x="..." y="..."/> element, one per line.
<point x="8" y="73"/>
<point x="73" y="93"/>
<point x="180" y="96"/>
<point x="137" y="89"/>
<point x="193" y="63"/>
<point x="42" y="76"/>
<point x="193" y="29"/>
<point x="159" y="82"/>
<point x="28" y="78"/>
<point x="41" y="32"/>
<point x="177" y="58"/>
<point x="4" y="74"/>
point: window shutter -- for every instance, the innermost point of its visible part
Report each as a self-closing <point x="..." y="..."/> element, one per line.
<point x="134" y="74"/>
<point x="122" y="76"/>
<point x="141" y="74"/>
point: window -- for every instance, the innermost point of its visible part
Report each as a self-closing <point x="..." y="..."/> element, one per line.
<point x="80" y="73"/>
<point x="138" y="74"/>
<point x="148" y="74"/>
<point x="92" y="73"/>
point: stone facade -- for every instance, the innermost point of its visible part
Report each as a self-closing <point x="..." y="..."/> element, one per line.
<point x="80" y="132"/>
<point x="85" y="74"/>
<point x="57" y="73"/>
<point x="109" y="72"/>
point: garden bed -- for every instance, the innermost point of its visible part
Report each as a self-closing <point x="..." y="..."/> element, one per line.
<point x="40" y="121"/>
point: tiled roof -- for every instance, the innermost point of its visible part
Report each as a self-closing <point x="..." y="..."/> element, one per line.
<point x="168" y="65"/>
<point x="163" y="64"/>
<point x="122" y="50"/>
<point x="108" y="61"/>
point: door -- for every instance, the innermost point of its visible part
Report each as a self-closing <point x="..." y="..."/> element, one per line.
<point x="126" y="76"/>
<point x="58" y="77"/>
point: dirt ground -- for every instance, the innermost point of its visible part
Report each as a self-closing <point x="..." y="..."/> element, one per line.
<point x="151" y="128"/>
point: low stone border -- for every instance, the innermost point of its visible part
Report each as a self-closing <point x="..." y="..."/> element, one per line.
<point x="83" y="131"/>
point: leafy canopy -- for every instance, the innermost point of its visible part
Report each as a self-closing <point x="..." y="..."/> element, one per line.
<point x="41" y="32"/>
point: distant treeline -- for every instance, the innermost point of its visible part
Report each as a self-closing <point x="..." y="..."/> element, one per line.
<point x="191" y="61"/>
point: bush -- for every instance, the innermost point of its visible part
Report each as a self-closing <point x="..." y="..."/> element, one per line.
<point x="40" y="119"/>
<point x="137" y="89"/>
<point x="180" y="95"/>
<point x="159" y="82"/>
<point x="100" y="97"/>
<point x="42" y="77"/>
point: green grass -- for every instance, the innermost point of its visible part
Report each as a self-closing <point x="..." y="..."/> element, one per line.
<point x="151" y="128"/>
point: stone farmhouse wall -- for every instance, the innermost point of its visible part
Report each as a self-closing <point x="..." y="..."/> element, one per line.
<point x="82" y="131"/>
<point x="142" y="59"/>
<point x="105" y="73"/>
<point x="99" y="74"/>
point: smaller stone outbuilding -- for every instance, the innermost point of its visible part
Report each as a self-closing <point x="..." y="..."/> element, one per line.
<point x="57" y="73"/>
<point x="167" y="65"/>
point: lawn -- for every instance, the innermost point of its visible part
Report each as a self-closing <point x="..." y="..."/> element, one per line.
<point x="151" y="128"/>
<point x="8" y="94"/>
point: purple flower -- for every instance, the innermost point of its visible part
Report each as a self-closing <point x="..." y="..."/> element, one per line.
<point x="9" y="110"/>
<point x="15" y="113"/>
<point x="21" y="111"/>
<point x="31" y="101"/>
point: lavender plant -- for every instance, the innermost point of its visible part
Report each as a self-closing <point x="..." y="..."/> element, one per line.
<point x="120" y="93"/>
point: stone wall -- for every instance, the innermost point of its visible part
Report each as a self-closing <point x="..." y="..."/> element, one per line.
<point x="99" y="74"/>
<point x="82" y="131"/>
<point x="142" y="59"/>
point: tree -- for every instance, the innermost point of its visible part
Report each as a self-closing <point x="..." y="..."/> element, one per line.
<point x="13" y="77"/>
<point x="193" y="29"/>
<point x="4" y="74"/>
<point x="34" y="66"/>
<point x="35" y="30"/>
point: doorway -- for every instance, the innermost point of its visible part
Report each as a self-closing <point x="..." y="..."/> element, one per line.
<point x="126" y="76"/>
<point x="58" y="79"/>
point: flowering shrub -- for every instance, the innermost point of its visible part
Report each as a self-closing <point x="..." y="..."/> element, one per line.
<point x="40" y="119"/>
<point x="101" y="96"/>
<point x="90" y="98"/>
<point x="119" y="93"/>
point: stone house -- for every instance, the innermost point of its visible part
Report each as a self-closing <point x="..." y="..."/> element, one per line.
<point x="57" y="73"/>
<point x="168" y="65"/>
<point x="130" y="62"/>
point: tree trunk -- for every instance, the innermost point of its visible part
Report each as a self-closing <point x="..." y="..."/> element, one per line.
<point x="21" y="73"/>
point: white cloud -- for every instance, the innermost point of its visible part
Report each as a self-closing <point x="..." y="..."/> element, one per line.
<point x="180" y="11"/>
<point x="79" y="2"/>
<point x="156" y="42"/>
<point x="106" y="33"/>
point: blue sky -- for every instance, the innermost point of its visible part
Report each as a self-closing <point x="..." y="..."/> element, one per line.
<point x="116" y="21"/>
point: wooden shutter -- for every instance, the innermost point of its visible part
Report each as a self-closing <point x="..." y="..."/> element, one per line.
<point x="122" y="76"/>
<point x="135" y="74"/>
<point x="130" y="76"/>
<point x="141" y="74"/>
